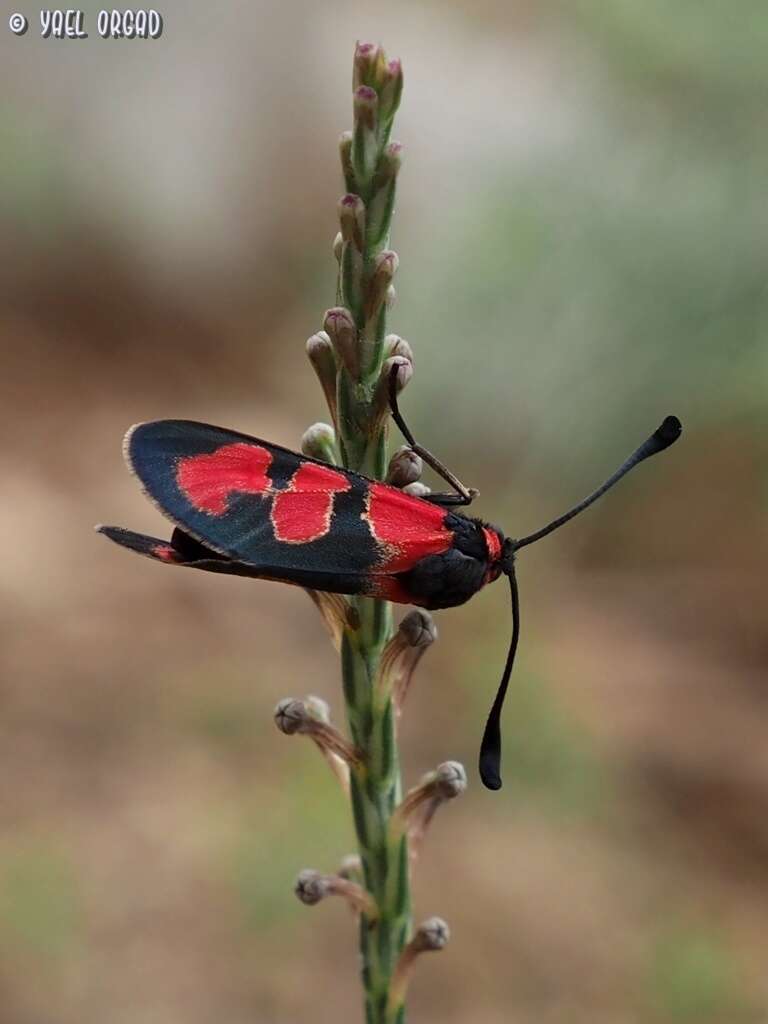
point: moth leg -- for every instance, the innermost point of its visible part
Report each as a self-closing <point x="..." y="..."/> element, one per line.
<point x="449" y="500"/>
<point x="464" y="495"/>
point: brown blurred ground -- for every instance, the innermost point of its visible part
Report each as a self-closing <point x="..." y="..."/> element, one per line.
<point x="581" y="233"/>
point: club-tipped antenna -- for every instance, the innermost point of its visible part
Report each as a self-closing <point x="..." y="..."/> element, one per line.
<point x="662" y="438"/>
<point x="490" y="748"/>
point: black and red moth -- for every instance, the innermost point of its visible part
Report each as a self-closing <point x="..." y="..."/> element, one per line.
<point x="247" y="507"/>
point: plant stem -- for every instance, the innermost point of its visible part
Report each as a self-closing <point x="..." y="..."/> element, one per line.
<point x="375" y="785"/>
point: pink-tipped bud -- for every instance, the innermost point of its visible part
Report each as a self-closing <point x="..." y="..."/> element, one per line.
<point x="341" y="329"/>
<point x="401" y="370"/>
<point x="389" y="164"/>
<point x="369" y="65"/>
<point x="384" y="269"/>
<point x="365" y="107"/>
<point x="352" y="220"/>
<point x="391" y="89"/>
<point x="405" y="467"/>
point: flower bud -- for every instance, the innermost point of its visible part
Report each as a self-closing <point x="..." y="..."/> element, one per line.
<point x="394" y="345"/>
<point x="403" y="653"/>
<point x="338" y="244"/>
<point x="405" y="467"/>
<point x="390" y="91"/>
<point x="417" y="490"/>
<point x="381" y="202"/>
<point x="345" y="155"/>
<point x="368" y="65"/>
<point x="384" y="269"/>
<point x="431" y="936"/>
<point x="365" y="143"/>
<point x="418" y="628"/>
<point x="390" y="162"/>
<point x="320" y="353"/>
<point x="418" y="806"/>
<point x="297" y="717"/>
<point x="450" y="779"/>
<point x="341" y="329"/>
<point x="311" y="887"/>
<point x="319" y="442"/>
<point x="351" y="868"/>
<point x="352" y="220"/>
<point x="401" y="370"/>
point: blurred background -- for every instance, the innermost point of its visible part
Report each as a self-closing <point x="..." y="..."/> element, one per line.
<point x="582" y="236"/>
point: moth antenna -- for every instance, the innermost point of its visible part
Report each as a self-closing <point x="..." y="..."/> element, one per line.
<point x="490" y="748"/>
<point x="662" y="438"/>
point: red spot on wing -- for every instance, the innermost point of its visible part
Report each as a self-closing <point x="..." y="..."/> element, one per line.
<point x="208" y="480"/>
<point x="408" y="528"/>
<point x="302" y="512"/>
<point x="166" y="553"/>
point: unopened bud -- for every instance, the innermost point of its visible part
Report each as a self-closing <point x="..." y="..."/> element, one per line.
<point x="394" y="345"/>
<point x="381" y="200"/>
<point x="352" y="220"/>
<point x="345" y="155"/>
<point x="365" y="107"/>
<point x="351" y="867"/>
<point x="418" y="628"/>
<point x="396" y="369"/>
<point x="417" y="490"/>
<point x="290" y="715"/>
<point x="368" y="65"/>
<point x="390" y="162"/>
<point x="320" y="353"/>
<point x="341" y="329"/>
<point x="338" y="244"/>
<point x="297" y="717"/>
<point x="450" y="779"/>
<point x="365" y="143"/>
<point x="319" y="442"/>
<point x="402" y="654"/>
<point x="405" y="467"/>
<point x="419" y="804"/>
<point x="311" y="887"/>
<point x="431" y="935"/>
<point x="390" y="91"/>
<point x="384" y="269"/>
